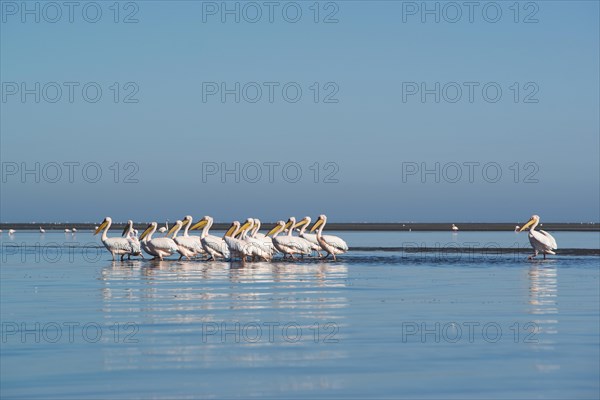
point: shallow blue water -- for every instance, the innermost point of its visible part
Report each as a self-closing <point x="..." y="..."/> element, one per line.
<point x="373" y="324"/>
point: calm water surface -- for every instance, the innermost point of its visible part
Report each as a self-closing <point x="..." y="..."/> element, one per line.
<point x="373" y="324"/>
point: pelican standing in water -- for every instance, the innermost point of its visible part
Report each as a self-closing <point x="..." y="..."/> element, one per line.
<point x="157" y="247"/>
<point x="288" y="244"/>
<point x="194" y="241"/>
<point x="213" y="245"/>
<point x="237" y="247"/>
<point x="454" y="228"/>
<point x="268" y="242"/>
<point x="331" y="244"/>
<point x="186" y="247"/>
<point x="116" y="245"/>
<point x="256" y="248"/>
<point x="42" y="230"/>
<point x="310" y="237"/>
<point x="541" y="241"/>
<point x="131" y="235"/>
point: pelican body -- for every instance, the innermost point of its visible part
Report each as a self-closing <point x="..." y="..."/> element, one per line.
<point x="187" y="246"/>
<point x="237" y="247"/>
<point x="288" y="245"/>
<point x="541" y="241"/>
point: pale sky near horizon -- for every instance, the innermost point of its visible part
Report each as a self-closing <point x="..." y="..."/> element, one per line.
<point x="375" y="115"/>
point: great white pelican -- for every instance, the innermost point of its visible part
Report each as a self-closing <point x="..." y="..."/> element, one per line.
<point x="115" y="245"/>
<point x="541" y="241"/>
<point x="331" y="244"/>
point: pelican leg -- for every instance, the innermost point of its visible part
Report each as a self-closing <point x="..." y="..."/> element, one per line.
<point x="531" y="257"/>
<point x="122" y="257"/>
<point x="113" y="256"/>
<point x="334" y="259"/>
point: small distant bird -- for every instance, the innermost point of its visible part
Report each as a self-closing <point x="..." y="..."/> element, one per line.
<point x="67" y="230"/>
<point x="11" y="231"/>
<point x="42" y="230"/>
<point x="454" y="228"/>
<point x="517" y="227"/>
<point x="73" y="230"/>
<point x="165" y="228"/>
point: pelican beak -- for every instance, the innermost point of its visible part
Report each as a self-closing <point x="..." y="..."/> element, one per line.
<point x="230" y="230"/>
<point x="102" y="226"/>
<point x="527" y="225"/>
<point x="125" y="230"/>
<point x="199" y="224"/>
<point x="316" y="225"/>
<point x="300" y="223"/>
<point x="244" y="227"/>
<point x="275" y="229"/>
<point x="145" y="233"/>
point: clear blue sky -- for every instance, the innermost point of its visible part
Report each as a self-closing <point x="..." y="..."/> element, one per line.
<point x="370" y="133"/>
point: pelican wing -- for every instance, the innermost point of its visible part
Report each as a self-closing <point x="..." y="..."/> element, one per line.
<point x="312" y="238"/>
<point x="134" y="242"/>
<point x="336" y="242"/>
<point x="551" y="240"/>
<point x="192" y="243"/>
<point x="260" y="247"/>
<point x="235" y="245"/>
<point x="294" y="243"/>
<point x="164" y="244"/>
<point x="117" y="243"/>
<point x="541" y="241"/>
<point x="214" y="243"/>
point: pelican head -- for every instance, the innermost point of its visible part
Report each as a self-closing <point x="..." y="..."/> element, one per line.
<point x="247" y="225"/>
<point x="235" y="225"/>
<point x="175" y="227"/>
<point x="200" y="224"/>
<point x="291" y="222"/>
<point x="103" y="225"/>
<point x="304" y="221"/>
<point x="279" y="226"/>
<point x="533" y="222"/>
<point x="150" y="228"/>
<point x="320" y="221"/>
